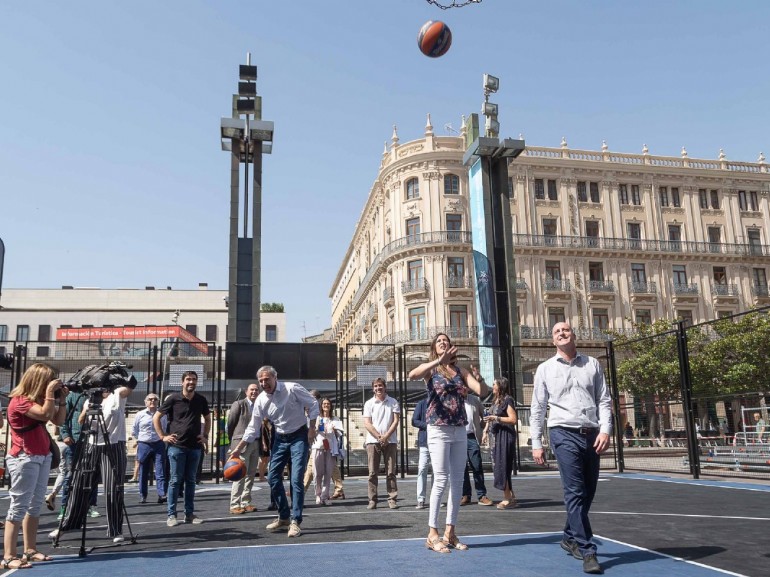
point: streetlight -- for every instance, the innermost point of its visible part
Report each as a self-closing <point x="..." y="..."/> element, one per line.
<point x="247" y="140"/>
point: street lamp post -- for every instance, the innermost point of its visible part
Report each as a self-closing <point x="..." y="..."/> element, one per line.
<point x="247" y="140"/>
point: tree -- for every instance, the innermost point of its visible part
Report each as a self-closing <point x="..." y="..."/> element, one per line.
<point x="271" y="307"/>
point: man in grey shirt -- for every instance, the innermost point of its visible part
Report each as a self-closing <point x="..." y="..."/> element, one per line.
<point x="572" y="387"/>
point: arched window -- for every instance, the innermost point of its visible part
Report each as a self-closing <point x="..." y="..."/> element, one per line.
<point x="412" y="188"/>
<point x="451" y="184"/>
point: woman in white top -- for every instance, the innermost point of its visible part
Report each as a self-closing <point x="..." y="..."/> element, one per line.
<point x="325" y="450"/>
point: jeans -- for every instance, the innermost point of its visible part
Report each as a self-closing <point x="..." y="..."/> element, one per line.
<point x="448" y="447"/>
<point x="184" y="467"/>
<point x="29" y="481"/>
<point x="422" y="473"/>
<point x="474" y="464"/>
<point x="290" y="447"/>
<point x="148" y="454"/>
<point x="579" y="470"/>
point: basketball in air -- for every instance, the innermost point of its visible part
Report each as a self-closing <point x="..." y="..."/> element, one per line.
<point x="434" y="38"/>
<point x="234" y="470"/>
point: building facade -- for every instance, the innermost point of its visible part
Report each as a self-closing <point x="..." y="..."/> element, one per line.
<point x="36" y="314"/>
<point x="603" y="239"/>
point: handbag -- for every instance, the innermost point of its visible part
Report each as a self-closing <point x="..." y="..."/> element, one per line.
<point x="52" y="446"/>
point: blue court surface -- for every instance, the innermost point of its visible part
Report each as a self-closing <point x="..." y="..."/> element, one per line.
<point x="524" y="555"/>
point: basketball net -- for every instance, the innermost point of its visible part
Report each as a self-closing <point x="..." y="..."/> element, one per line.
<point x="454" y="4"/>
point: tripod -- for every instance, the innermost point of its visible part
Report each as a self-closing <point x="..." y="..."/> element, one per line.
<point x="89" y="458"/>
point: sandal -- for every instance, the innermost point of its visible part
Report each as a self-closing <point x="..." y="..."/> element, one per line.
<point x="507" y="504"/>
<point x="437" y="545"/>
<point x="35" y="555"/>
<point x="454" y="543"/>
<point x="20" y="563"/>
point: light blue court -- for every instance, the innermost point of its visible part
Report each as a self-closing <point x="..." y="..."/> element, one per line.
<point x="520" y="555"/>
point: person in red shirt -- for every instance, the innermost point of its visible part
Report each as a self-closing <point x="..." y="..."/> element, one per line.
<point x="37" y="399"/>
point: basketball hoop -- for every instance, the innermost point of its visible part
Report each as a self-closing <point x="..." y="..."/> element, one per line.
<point x="454" y="4"/>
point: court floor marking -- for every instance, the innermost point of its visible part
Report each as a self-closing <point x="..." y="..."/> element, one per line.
<point x="697" y="482"/>
<point x="652" y="551"/>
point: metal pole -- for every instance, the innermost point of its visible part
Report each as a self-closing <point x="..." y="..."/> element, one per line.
<point x="615" y="402"/>
<point x="693" y="448"/>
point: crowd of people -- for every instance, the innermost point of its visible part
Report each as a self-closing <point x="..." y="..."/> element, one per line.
<point x="280" y="426"/>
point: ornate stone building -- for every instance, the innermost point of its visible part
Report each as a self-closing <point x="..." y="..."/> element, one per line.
<point x="602" y="238"/>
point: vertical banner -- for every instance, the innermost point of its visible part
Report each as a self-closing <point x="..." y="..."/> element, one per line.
<point x="486" y="309"/>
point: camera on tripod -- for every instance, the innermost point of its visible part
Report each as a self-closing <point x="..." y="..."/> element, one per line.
<point x="6" y="361"/>
<point x="99" y="379"/>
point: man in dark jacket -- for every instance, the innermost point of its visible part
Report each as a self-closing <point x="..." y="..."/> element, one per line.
<point x="237" y="420"/>
<point x="418" y="422"/>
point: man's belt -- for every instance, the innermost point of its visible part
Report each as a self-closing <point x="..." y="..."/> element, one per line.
<point x="579" y="430"/>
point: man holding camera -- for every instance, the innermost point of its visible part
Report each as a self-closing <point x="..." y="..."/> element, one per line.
<point x="185" y="443"/>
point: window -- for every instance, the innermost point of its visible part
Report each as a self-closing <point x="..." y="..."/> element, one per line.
<point x="720" y="275"/>
<point x="748" y="202"/>
<point x="715" y="238"/>
<point x="192" y="329"/>
<point x="686" y="316"/>
<point x="454" y="224"/>
<point x="43" y="351"/>
<point x="760" y="278"/>
<point x="552" y="190"/>
<point x="451" y="184"/>
<point x="552" y="270"/>
<point x="601" y="319"/>
<point x="680" y="274"/>
<point x="636" y="198"/>
<point x="675" y="201"/>
<point x="753" y="202"/>
<point x="755" y="242"/>
<point x="643" y="316"/>
<point x="715" y="199"/>
<point x="539" y="189"/>
<point x="623" y="193"/>
<point x="638" y="273"/>
<point x="458" y="321"/>
<point x="724" y="314"/>
<point x="414" y="270"/>
<point x="675" y="237"/>
<point x="555" y="315"/>
<point x="595" y="192"/>
<point x="596" y="271"/>
<point x="211" y="332"/>
<point x="3" y="332"/>
<point x="549" y="228"/>
<point x="412" y="188"/>
<point x="413" y="227"/>
<point x="634" y="231"/>
<point x="22" y="332"/>
<point x="663" y="195"/>
<point x="742" y="204"/>
<point x="417" y="324"/>
<point x="510" y="188"/>
<point x="592" y="232"/>
<point x="582" y="192"/>
<point x="44" y="334"/>
<point x="703" y="200"/>
<point x="271" y="333"/>
<point x="456" y="267"/>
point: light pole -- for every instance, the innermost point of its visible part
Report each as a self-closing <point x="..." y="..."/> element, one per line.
<point x="488" y="158"/>
<point x="247" y="140"/>
<point x="2" y="262"/>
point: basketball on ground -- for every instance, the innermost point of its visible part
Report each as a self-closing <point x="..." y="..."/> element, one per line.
<point x="434" y="38"/>
<point x="234" y="470"/>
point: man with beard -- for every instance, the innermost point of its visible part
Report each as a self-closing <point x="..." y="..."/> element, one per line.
<point x="185" y="442"/>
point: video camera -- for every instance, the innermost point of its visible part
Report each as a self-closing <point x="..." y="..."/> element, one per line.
<point x="6" y="361"/>
<point x="98" y="379"/>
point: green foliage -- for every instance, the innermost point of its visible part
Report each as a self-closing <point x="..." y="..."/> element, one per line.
<point x="271" y="307"/>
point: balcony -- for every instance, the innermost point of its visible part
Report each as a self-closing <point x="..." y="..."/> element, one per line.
<point x="557" y="289"/>
<point x="521" y="288"/>
<point x="724" y="293"/>
<point x="579" y="244"/>
<point x="428" y="333"/>
<point x="601" y="290"/>
<point x="459" y="284"/>
<point x="761" y="295"/>
<point x="415" y="288"/>
<point x="372" y="312"/>
<point x="643" y="292"/>
<point x="387" y="296"/>
<point x="685" y="293"/>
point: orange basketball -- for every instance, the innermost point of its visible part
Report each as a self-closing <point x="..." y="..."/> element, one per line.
<point x="434" y="38"/>
<point x="234" y="470"/>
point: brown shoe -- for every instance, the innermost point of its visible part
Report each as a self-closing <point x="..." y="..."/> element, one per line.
<point x="249" y="509"/>
<point x="237" y="511"/>
<point x="485" y="501"/>
<point x="465" y="500"/>
<point x="340" y="495"/>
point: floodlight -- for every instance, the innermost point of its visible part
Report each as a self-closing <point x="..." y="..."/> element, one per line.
<point x="491" y="127"/>
<point x="489" y="109"/>
<point x="247" y="72"/>
<point x="491" y="83"/>
<point x="247" y="89"/>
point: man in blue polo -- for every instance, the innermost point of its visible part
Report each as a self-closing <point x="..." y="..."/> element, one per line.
<point x="293" y="412"/>
<point x="572" y="386"/>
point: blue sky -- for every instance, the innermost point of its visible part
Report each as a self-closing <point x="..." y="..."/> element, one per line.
<point x="111" y="172"/>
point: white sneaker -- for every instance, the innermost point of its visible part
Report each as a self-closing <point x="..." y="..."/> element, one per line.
<point x="318" y="500"/>
<point x="119" y="539"/>
<point x="277" y="524"/>
<point x="94" y="512"/>
<point x="294" y="530"/>
<point x="54" y="534"/>
<point x="172" y="522"/>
